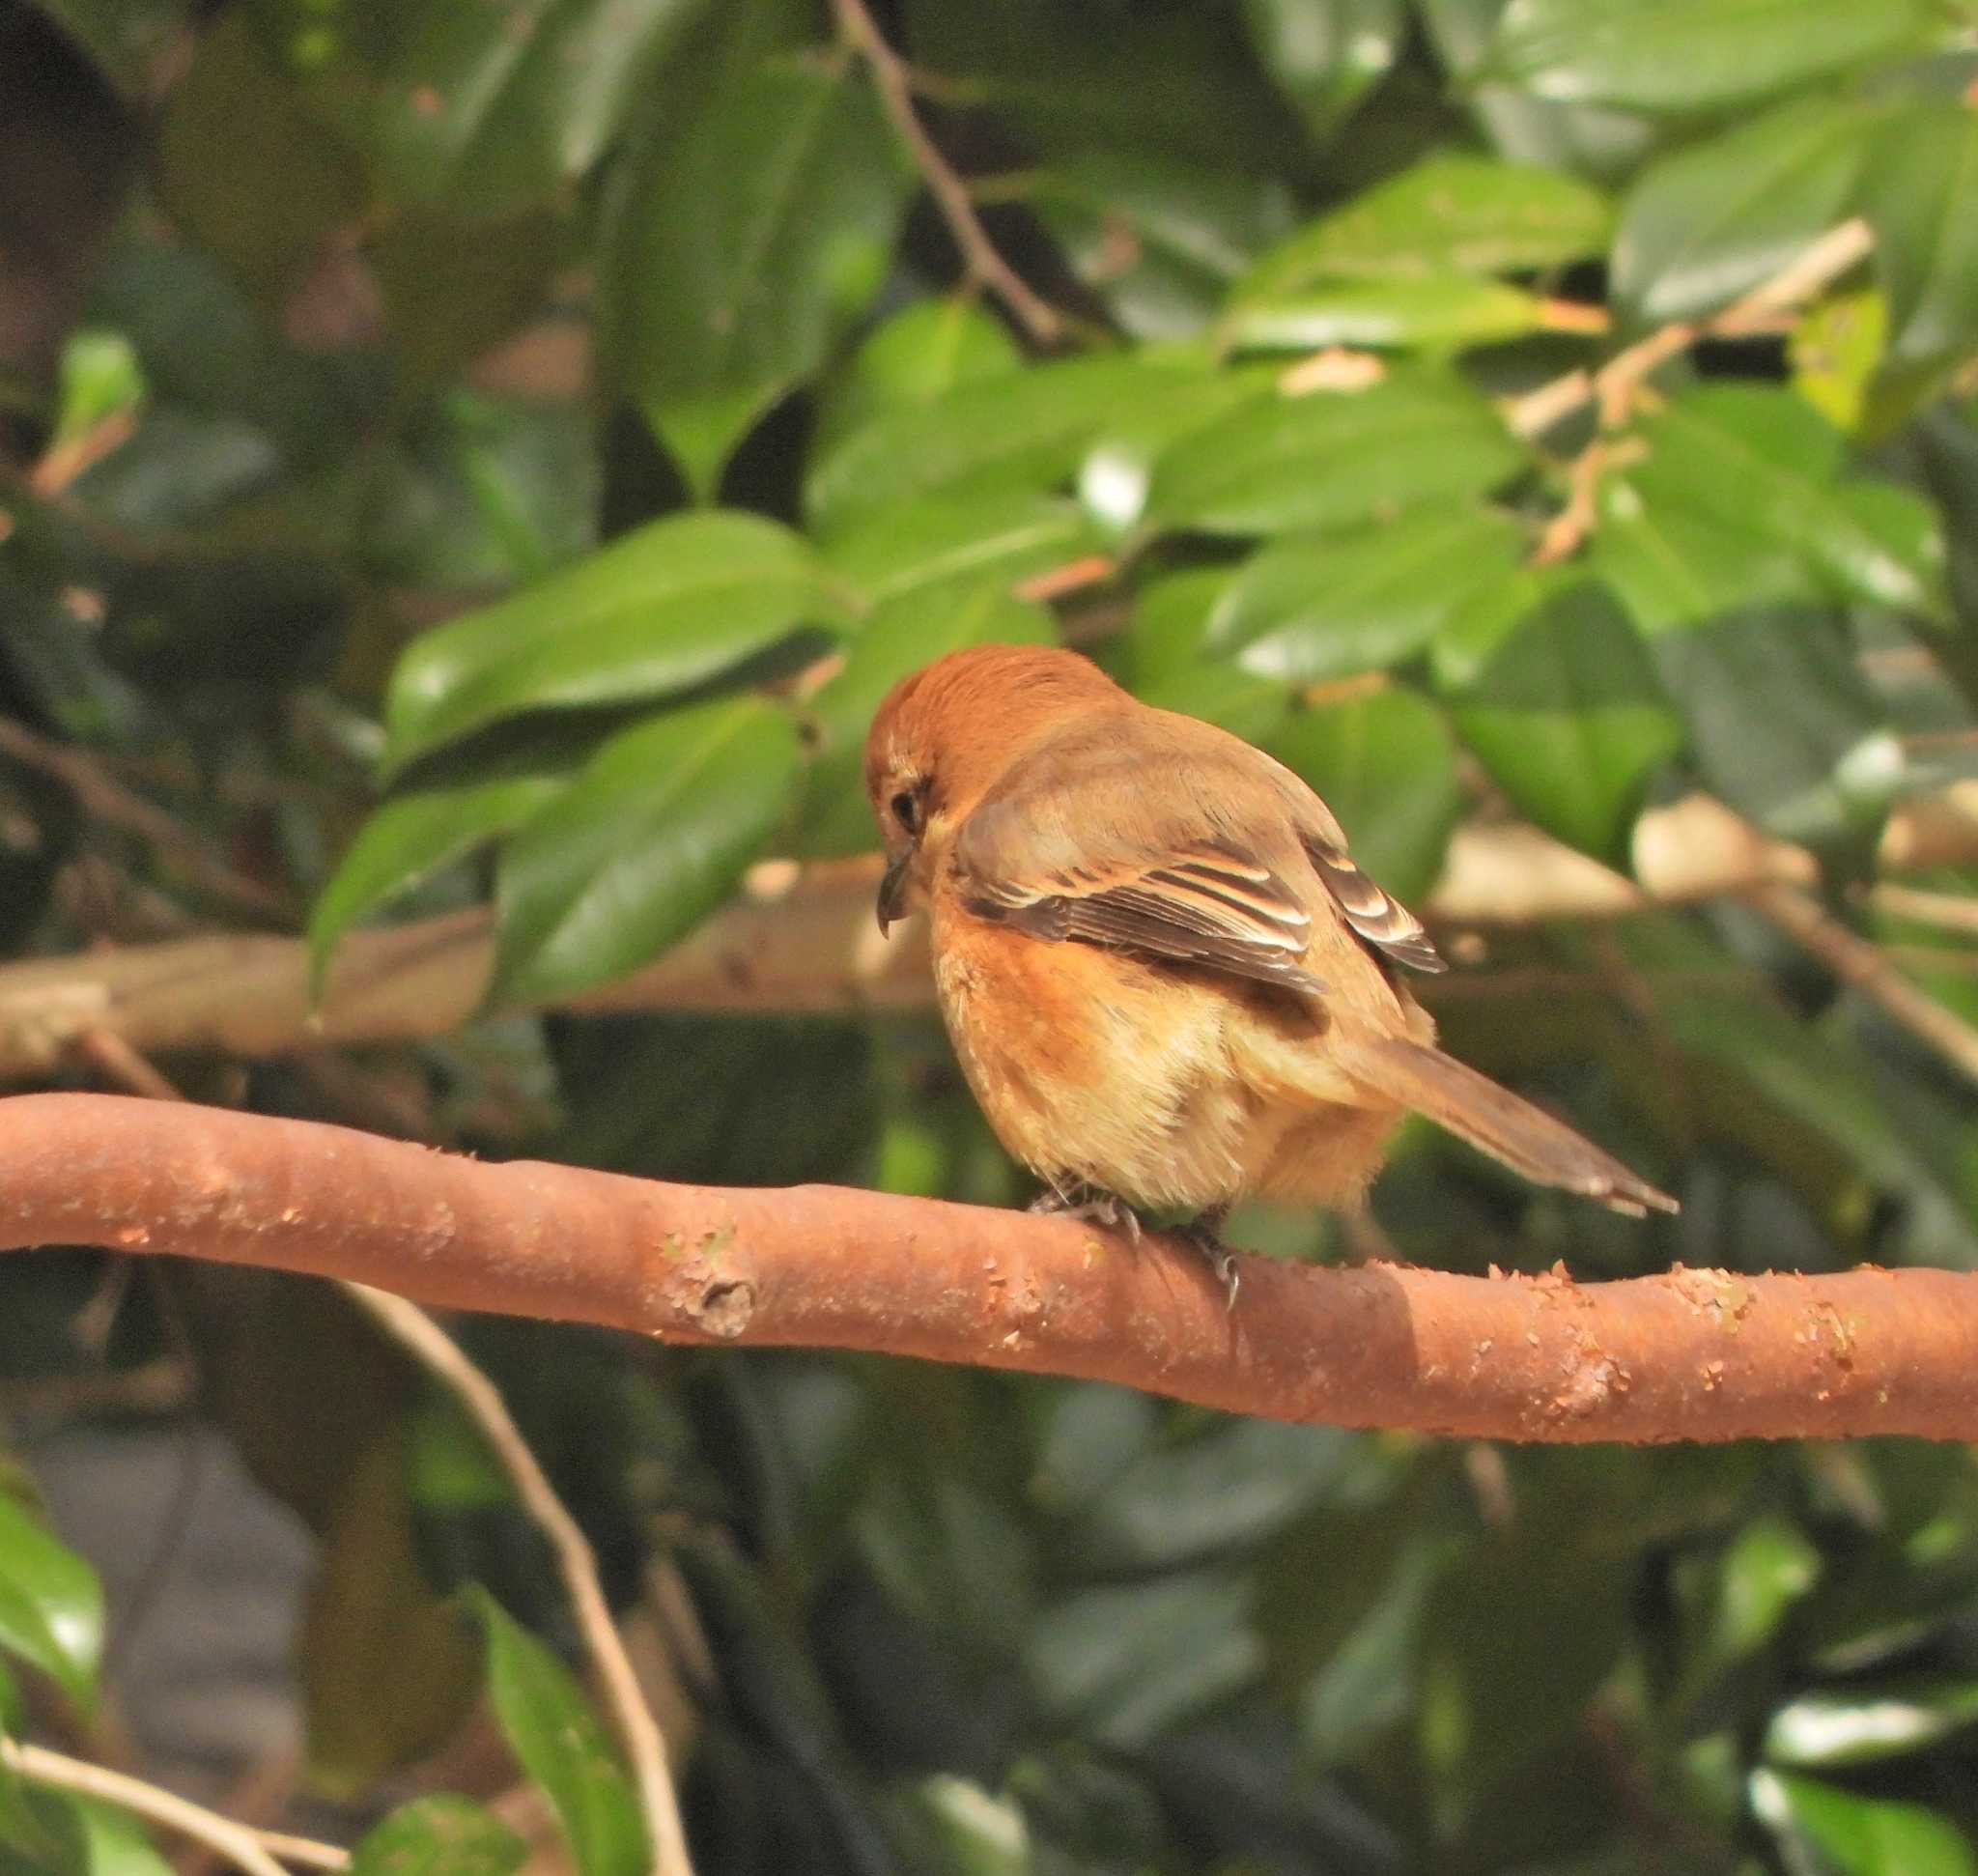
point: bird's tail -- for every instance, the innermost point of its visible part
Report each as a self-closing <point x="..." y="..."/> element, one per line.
<point x="1496" y="1122"/>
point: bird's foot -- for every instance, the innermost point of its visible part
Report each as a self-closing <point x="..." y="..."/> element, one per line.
<point x="1204" y="1238"/>
<point x="1090" y="1204"/>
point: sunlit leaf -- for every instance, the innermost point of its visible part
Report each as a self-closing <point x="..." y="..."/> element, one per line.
<point x="51" y="1604"/>
<point x="439" y="1835"/>
<point x="1859" y="1835"/>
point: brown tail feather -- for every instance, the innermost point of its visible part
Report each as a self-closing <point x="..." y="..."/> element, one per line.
<point x="1496" y="1122"/>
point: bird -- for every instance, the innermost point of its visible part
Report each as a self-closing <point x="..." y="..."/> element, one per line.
<point x="1167" y="982"/>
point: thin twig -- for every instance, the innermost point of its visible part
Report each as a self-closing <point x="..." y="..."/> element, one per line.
<point x="252" y="1852"/>
<point x="436" y="1350"/>
<point x="1615" y="384"/>
<point x="1947" y="911"/>
<point x="116" y="806"/>
<point x="980" y="260"/>
<point x="1862" y="964"/>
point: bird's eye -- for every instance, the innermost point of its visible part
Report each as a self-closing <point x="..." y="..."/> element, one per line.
<point x="906" y="810"/>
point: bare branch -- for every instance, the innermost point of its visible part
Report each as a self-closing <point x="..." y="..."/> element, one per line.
<point x="254" y="1852"/>
<point x="408" y="1324"/>
<point x="1704" y="1356"/>
<point x="980" y="257"/>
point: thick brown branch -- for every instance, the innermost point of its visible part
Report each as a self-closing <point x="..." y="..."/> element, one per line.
<point x="1688" y="1356"/>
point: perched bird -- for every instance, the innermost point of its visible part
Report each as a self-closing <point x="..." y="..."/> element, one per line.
<point x="1169" y="986"/>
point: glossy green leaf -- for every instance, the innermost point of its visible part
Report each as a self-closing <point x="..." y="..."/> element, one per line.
<point x="949" y="541"/>
<point x="1549" y="686"/>
<point x="1445" y="214"/>
<point x="1859" y="1835"/>
<point x="914" y="629"/>
<point x="1765" y="462"/>
<point x="1159" y="240"/>
<point x="1025" y="432"/>
<point x="1920" y="194"/>
<point x="1385" y="763"/>
<point x="418" y="834"/>
<point x="562" y="1745"/>
<point x="1822" y="761"/>
<point x="660" y="610"/>
<point x="748" y="240"/>
<point x="1239" y="702"/>
<point x="1865" y="1722"/>
<point x="978" y="1834"/>
<point x="490" y="109"/>
<point x="51" y="1604"/>
<point x="1169" y="631"/>
<point x="1690" y="55"/>
<point x="1323" y="54"/>
<point x="440" y="1835"/>
<point x="1449" y="312"/>
<point x="1331" y="606"/>
<point x="1713" y="220"/>
<point x="1333" y="460"/>
<point x="647" y="840"/>
<point x="911" y="359"/>
<point x="1766" y="1567"/>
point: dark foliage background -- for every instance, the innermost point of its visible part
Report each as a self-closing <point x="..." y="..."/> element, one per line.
<point x="567" y="416"/>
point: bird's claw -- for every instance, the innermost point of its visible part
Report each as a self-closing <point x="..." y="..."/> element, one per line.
<point x="1204" y="1238"/>
<point x="1094" y="1206"/>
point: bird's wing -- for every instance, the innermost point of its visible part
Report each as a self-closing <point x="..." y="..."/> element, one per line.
<point x="1192" y="854"/>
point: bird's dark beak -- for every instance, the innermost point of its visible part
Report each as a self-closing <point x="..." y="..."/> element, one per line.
<point x="892" y="892"/>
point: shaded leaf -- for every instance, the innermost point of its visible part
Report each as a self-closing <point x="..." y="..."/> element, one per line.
<point x="127" y="38"/>
<point x="1308" y="609"/>
<point x="747" y="240"/>
<point x="1920" y="194"/>
<point x="647" y="840"/>
<point x="1330" y="460"/>
<point x="1713" y="220"/>
<point x="418" y="834"/>
<point x="1860" y="1836"/>
<point x="1023" y="431"/>
<point x="51" y="1604"/>
<point x="911" y="359"/>
<point x="1688" y="55"/>
<point x="562" y="1745"/>
<point x="1549" y="686"/>
<point x="439" y="1835"/>
<point x="1386" y="764"/>
<point x="660" y="610"/>
<point x="956" y="542"/>
<point x="1324" y="53"/>
<point x="1444" y="215"/>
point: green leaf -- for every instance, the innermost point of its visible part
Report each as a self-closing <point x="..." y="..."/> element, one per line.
<point x="662" y="609"/>
<point x="1308" y="609"/>
<point x="1764" y="460"/>
<point x="748" y="240"/>
<point x="441" y="1835"/>
<point x="1172" y="613"/>
<point x="651" y="836"/>
<point x="1867" y="1721"/>
<point x="950" y="541"/>
<point x="561" y="1745"/>
<point x="1860" y="1836"/>
<point x="418" y="834"/>
<point x="1158" y="240"/>
<point x="911" y="358"/>
<point x="1446" y="312"/>
<point x="1820" y="762"/>
<point x="51" y="1604"/>
<point x="1324" y="53"/>
<point x="1549" y="686"/>
<point x="489" y="109"/>
<point x="1690" y="55"/>
<point x="916" y="628"/>
<point x="1386" y="765"/>
<point x="1330" y="460"/>
<point x="1766" y="1567"/>
<point x="1444" y="215"/>
<point x="1920" y="194"/>
<point x="1028" y="431"/>
<point x="1713" y="220"/>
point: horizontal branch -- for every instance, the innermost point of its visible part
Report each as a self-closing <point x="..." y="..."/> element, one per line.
<point x="1700" y="1355"/>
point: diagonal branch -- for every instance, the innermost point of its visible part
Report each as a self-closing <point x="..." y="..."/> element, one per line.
<point x="980" y="259"/>
<point x="1691" y="1354"/>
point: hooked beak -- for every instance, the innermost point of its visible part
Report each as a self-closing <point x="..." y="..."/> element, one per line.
<point x="893" y="892"/>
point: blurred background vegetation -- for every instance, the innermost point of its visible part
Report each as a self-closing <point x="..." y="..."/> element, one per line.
<point x="465" y="450"/>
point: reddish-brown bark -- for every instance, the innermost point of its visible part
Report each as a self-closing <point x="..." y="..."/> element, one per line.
<point x="1687" y="1355"/>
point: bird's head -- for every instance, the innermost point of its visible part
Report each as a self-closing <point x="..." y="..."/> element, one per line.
<point x="944" y="736"/>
